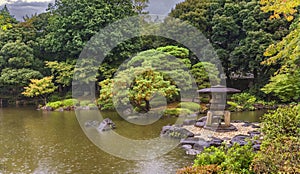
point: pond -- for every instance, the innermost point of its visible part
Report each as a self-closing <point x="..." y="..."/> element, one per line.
<point x="53" y="142"/>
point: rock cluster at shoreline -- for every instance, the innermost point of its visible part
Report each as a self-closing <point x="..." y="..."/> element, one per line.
<point x="105" y="125"/>
<point x="240" y="132"/>
<point x="69" y="108"/>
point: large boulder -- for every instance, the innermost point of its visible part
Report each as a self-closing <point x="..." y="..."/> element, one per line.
<point x="200" y="145"/>
<point x="201" y="122"/>
<point x="240" y="139"/>
<point x="197" y="144"/>
<point x="47" y="108"/>
<point x="106" y="125"/>
<point x="215" y="142"/>
<point x="187" y="146"/>
<point x="175" y="132"/>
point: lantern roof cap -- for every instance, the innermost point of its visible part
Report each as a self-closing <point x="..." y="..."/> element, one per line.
<point x="219" y="89"/>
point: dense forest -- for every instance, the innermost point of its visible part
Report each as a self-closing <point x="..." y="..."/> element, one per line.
<point x="256" y="37"/>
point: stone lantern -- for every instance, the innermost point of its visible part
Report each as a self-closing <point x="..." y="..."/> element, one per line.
<point x="217" y="110"/>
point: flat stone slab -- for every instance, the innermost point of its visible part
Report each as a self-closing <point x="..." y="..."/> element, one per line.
<point x="191" y="140"/>
<point x="221" y="128"/>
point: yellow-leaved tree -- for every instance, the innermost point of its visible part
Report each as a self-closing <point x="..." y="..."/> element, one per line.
<point x="40" y="88"/>
<point x="285" y="83"/>
<point x="287" y="8"/>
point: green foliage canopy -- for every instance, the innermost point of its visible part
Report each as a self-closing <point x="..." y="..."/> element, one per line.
<point x="238" y="30"/>
<point x="286" y="81"/>
<point x="6" y="19"/>
<point x="73" y="23"/>
<point x="205" y="74"/>
<point x="149" y="74"/>
<point x="63" y="71"/>
<point x="40" y="88"/>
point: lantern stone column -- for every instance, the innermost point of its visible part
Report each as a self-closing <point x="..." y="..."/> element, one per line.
<point x="227" y="118"/>
<point x="209" y="118"/>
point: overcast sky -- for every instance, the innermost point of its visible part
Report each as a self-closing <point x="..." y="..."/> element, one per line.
<point x="20" y="8"/>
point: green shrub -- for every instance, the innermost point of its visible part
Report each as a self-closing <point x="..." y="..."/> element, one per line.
<point x="177" y="112"/>
<point x="208" y="169"/>
<point x="236" y="159"/>
<point x="106" y="104"/>
<point x="85" y="102"/>
<point x="244" y="100"/>
<point x="279" y="155"/>
<point x="211" y="155"/>
<point x="69" y="102"/>
<point x="280" y="150"/>
<point x="92" y="105"/>
<point x="195" y="107"/>
<point x="234" y="106"/>
<point x="266" y="103"/>
<point x="204" y="99"/>
<point x="285" y="121"/>
<point x="55" y="105"/>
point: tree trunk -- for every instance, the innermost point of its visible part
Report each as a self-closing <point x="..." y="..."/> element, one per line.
<point x="147" y="105"/>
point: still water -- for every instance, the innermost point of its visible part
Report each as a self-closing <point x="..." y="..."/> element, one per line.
<point x="53" y="142"/>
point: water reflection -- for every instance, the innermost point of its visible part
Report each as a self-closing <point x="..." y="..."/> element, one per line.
<point x="53" y="142"/>
<point x="251" y="116"/>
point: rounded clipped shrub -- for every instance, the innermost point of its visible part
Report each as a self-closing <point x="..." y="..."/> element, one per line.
<point x="69" y="102"/>
<point x="55" y="105"/>
<point x="177" y="112"/>
<point x="285" y="121"/>
<point x="195" y="107"/>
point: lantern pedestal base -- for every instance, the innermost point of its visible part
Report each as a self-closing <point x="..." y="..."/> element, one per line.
<point x="216" y="117"/>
